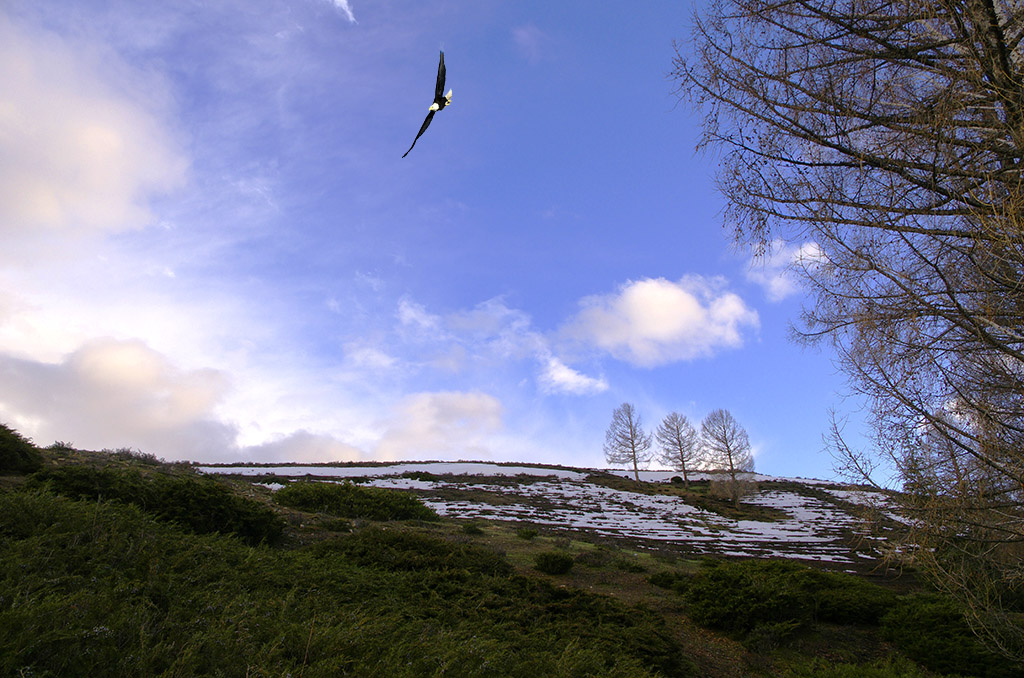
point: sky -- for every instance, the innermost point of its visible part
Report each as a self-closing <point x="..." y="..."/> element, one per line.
<point x="214" y="251"/>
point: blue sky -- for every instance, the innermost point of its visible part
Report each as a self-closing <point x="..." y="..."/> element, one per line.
<point x="215" y="251"/>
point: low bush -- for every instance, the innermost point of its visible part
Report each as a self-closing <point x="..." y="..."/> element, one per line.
<point x="931" y="630"/>
<point x="17" y="453"/>
<point x="553" y="562"/>
<point x="738" y="596"/>
<point x="769" y="636"/>
<point x="673" y="581"/>
<point x="347" y="500"/>
<point x="423" y="476"/>
<point x="137" y="456"/>
<point x="820" y="668"/>
<point x="595" y="558"/>
<point x="401" y="551"/>
<point x="630" y="565"/>
<point x="204" y="505"/>
<point x="526" y="533"/>
<point x="726" y="488"/>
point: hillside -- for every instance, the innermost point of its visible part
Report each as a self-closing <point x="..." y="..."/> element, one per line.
<point x="784" y="518"/>
<point x="112" y="563"/>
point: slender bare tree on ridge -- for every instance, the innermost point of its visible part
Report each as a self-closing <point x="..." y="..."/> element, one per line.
<point x="678" y="440"/>
<point x="625" y="441"/>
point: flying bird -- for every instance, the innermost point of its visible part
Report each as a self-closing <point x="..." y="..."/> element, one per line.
<point x="440" y="101"/>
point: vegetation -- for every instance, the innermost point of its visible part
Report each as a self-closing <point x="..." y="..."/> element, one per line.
<point x="741" y="596"/>
<point x="932" y="630"/>
<point x="203" y="505"/>
<point x="725" y="445"/>
<point x="104" y="572"/>
<point x="101" y="588"/>
<point x="877" y="148"/>
<point x="626" y="442"/>
<point x="348" y="500"/>
<point x="17" y="453"/>
<point x="679" y="443"/>
<point x="554" y="562"/>
<point x="882" y="669"/>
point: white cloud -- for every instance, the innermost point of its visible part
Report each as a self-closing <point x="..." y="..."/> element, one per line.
<point x="505" y="332"/>
<point x="345" y="7"/>
<point x="301" y="446"/>
<point x="492" y="335"/>
<point x="111" y="393"/>
<point x="776" y="271"/>
<point x="368" y="358"/>
<point x="413" y="315"/>
<point x="557" y="377"/>
<point x="530" y="41"/>
<point x="77" y="152"/>
<point x="441" y="424"/>
<point x="655" y="321"/>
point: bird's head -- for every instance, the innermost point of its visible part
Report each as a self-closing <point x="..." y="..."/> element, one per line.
<point x="435" y="107"/>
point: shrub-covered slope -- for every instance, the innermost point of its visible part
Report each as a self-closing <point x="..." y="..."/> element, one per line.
<point x="121" y="566"/>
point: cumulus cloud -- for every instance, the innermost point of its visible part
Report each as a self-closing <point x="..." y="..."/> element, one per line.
<point x="112" y="393"/>
<point x="557" y="377"/>
<point x="441" y="424"/>
<point x="655" y="321"/>
<point x="77" y="152"/>
<point x="776" y="272"/>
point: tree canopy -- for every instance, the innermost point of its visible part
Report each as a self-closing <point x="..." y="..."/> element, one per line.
<point x="891" y="135"/>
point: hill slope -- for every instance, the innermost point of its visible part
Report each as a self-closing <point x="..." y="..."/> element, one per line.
<point x="108" y="566"/>
<point x="784" y="518"/>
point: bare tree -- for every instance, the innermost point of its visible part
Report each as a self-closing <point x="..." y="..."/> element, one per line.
<point x="726" y="446"/>
<point x="891" y="135"/>
<point x="678" y="440"/>
<point x="625" y="442"/>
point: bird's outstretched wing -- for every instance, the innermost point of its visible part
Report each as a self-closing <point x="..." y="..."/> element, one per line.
<point x="426" y="124"/>
<point x="439" y="88"/>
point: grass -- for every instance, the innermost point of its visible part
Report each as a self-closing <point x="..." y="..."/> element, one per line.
<point x="108" y="583"/>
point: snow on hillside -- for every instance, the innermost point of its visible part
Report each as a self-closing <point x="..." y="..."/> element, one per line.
<point x="818" y="521"/>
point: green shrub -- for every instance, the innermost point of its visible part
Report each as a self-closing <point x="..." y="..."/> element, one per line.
<point x="347" y="500"/>
<point x="401" y="551"/>
<point x="203" y="505"/>
<point x="820" y="668"/>
<point x="472" y="529"/>
<point x="17" y="453"/>
<point x="526" y="533"/>
<point x="769" y="636"/>
<point x="738" y="596"/>
<point x="421" y="475"/>
<point x="673" y="581"/>
<point x="553" y="562"/>
<point x="595" y="558"/>
<point x="630" y="565"/>
<point x="137" y="456"/>
<point x="932" y="630"/>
